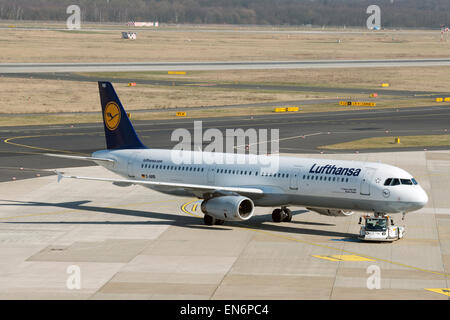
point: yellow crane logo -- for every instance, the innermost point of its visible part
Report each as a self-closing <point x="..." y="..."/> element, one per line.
<point x="112" y="116"/>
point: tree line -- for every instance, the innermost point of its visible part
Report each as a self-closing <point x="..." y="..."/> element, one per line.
<point x="394" y="13"/>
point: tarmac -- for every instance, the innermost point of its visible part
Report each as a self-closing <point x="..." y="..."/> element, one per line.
<point x="217" y="65"/>
<point x="133" y="243"/>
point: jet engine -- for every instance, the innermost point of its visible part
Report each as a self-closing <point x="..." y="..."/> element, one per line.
<point x="229" y="208"/>
<point x="332" y="212"/>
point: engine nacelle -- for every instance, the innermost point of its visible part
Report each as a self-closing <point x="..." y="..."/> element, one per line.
<point x="332" y="212"/>
<point x="229" y="208"/>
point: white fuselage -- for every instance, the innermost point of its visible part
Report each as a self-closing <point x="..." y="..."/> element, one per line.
<point x="351" y="185"/>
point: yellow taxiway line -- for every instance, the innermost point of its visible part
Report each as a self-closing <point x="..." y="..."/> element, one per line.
<point x="360" y="257"/>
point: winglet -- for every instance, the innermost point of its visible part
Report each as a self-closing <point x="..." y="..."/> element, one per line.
<point x="60" y="175"/>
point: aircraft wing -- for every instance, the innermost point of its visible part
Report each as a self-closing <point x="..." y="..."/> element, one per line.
<point x="194" y="188"/>
<point x="80" y="158"/>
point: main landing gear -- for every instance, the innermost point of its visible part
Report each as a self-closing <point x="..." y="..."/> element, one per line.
<point x="282" y="215"/>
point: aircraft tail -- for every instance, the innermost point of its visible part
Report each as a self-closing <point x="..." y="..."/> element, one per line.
<point x="119" y="131"/>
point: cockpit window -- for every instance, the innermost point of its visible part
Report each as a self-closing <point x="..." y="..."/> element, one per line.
<point x="396" y="182"/>
<point x="406" y="181"/>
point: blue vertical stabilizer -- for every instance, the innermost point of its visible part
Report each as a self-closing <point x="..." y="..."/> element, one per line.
<point x="119" y="131"/>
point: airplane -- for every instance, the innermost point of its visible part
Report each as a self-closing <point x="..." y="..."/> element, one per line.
<point x="230" y="192"/>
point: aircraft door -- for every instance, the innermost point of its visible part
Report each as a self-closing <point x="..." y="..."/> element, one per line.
<point x="293" y="180"/>
<point x="210" y="176"/>
<point x="130" y="166"/>
<point x="366" y="180"/>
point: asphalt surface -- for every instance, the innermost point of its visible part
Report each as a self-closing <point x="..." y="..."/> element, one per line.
<point x="67" y="76"/>
<point x="217" y="65"/>
<point x="23" y="147"/>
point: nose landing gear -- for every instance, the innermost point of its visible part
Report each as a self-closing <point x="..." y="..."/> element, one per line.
<point x="282" y="215"/>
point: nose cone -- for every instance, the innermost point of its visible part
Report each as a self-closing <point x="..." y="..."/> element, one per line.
<point x="420" y="199"/>
<point x="423" y="198"/>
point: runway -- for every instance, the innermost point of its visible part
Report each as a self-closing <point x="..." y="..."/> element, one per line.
<point x="132" y="243"/>
<point x="412" y="94"/>
<point x="22" y="147"/>
<point x="217" y="65"/>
